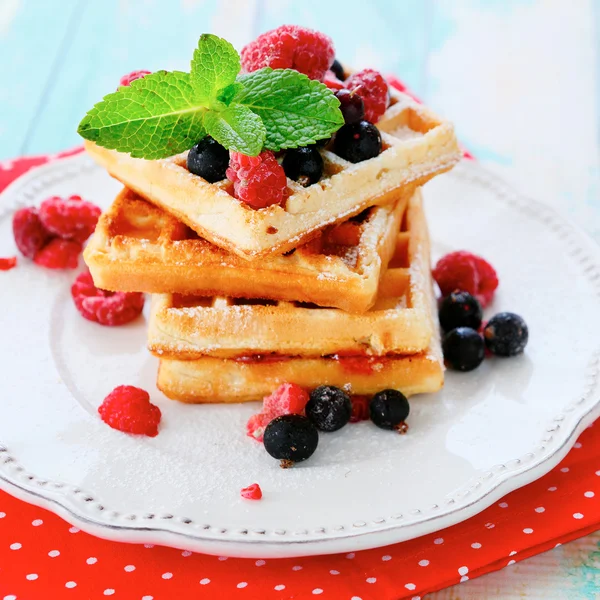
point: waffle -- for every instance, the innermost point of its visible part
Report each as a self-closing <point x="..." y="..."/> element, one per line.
<point x="137" y="247"/>
<point x="416" y="146"/>
<point x="190" y="328"/>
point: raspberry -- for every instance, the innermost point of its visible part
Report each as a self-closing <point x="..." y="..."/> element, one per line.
<point x="467" y="272"/>
<point x="128" y="408"/>
<point x="259" y="181"/>
<point x="252" y="492"/>
<point x="70" y="218"/>
<point x="59" y="254"/>
<point x="255" y="427"/>
<point x="290" y="47"/>
<point x="373" y="89"/>
<point x="6" y="264"/>
<point x="332" y="82"/>
<point x="127" y="79"/>
<point x="29" y="232"/>
<point x="106" y="308"/>
<point x="360" y="409"/>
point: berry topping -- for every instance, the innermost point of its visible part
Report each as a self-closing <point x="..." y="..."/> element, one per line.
<point x="128" y="408"/>
<point x="506" y="334"/>
<point x="127" y="79"/>
<point x="69" y="218"/>
<point x="358" y="142"/>
<point x="259" y="181"/>
<point x="29" y="232"/>
<point x="360" y="409"/>
<point x="463" y="349"/>
<point x="106" y="308"/>
<point x="389" y="410"/>
<point x="373" y="89"/>
<point x="460" y="309"/>
<point x="304" y="165"/>
<point x="6" y="264"/>
<point x="252" y="492"/>
<point x="255" y="427"/>
<point x="332" y="82"/>
<point x="329" y="408"/>
<point x="351" y="105"/>
<point x="465" y="271"/>
<point x="338" y="70"/>
<point x="290" y="47"/>
<point x="59" y="254"/>
<point x="208" y="159"/>
<point x="291" y="439"/>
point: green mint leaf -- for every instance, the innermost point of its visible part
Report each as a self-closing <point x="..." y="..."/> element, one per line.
<point x="155" y="117"/>
<point x="296" y="110"/>
<point x="215" y="65"/>
<point x="227" y="94"/>
<point x="237" y="128"/>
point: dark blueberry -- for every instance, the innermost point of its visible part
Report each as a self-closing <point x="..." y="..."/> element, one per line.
<point x="460" y="309"/>
<point x="351" y="105"/>
<point x="389" y="410"/>
<point x="303" y="165"/>
<point x="208" y="159"/>
<point x="322" y="143"/>
<point x="463" y="349"/>
<point x="329" y="408"/>
<point x="291" y="439"/>
<point x="358" y="142"/>
<point x="506" y="334"/>
<point x="338" y="70"/>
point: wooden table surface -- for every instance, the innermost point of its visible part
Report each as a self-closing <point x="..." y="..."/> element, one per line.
<point x="520" y="79"/>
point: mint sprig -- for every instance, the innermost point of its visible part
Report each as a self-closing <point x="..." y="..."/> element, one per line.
<point x="168" y="112"/>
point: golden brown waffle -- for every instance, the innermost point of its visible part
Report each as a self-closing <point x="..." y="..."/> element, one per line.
<point x="188" y="327"/>
<point x="137" y="247"/>
<point x="417" y="145"/>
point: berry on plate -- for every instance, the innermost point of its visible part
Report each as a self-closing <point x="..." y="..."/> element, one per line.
<point x="329" y="408"/>
<point x="208" y="159"/>
<point x="29" y="232"/>
<point x="357" y="142"/>
<point x="127" y="79"/>
<point x="304" y="165"/>
<point x="460" y="309"/>
<point x="59" y="254"/>
<point x="351" y="105"/>
<point x="69" y="218"/>
<point x="6" y="264"/>
<point x="252" y="492"/>
<point x="373" y="89"/>
<point x="291" y="439"/>
<point x="389" y="409"/>
<point x="128" y="409"/>
<point x="338" y="70"/>
<point x="463" y="349"/>
<point x="506" y="334"/>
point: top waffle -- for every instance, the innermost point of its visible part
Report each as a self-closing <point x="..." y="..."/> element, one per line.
<point x="417" y="145"/>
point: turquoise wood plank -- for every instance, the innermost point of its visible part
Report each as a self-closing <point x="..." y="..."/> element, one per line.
<point x="32" y="37"/>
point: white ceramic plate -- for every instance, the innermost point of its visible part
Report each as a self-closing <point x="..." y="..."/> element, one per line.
<point x="487" y="433"/>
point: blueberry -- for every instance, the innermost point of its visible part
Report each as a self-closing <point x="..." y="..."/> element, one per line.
<point x="329" y="408"/>
<point x="357" y="142"/>
<point x="389" y="410"/>
<point x="460" y="309"/>
<point x="304" y="165"/>
<point x="463" y="349"/>
<point x="338" y="70"/>
<point x="322" y="143"/>
<point x="291" y="439"/>
<point x="351" y="105"/>
<point x="208" y="159"/>
<point x="506" y="334"/>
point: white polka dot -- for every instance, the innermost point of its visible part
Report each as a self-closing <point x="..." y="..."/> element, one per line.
<point x="148" y="545"/>
<point x="557" y="545"/>
<point x="3" y="514"/>
<point x="92" y="560"/>
<point x="109" y="592"/>
<point x="260" y="563"/>
<point x="334" y="572"/>
<point x="511" y="562"/>
<point x="503" y="505"/>
<point x="371" y="579"/>
<point x="221" y="558"/>
<point x="464" y="578"/>
<point x="147" y="597"/>
<point x="167" y="575"/>
<point x="527" y="530"/>
<point x="578" y="516"/>
<point x="186" y="553"/>
<point x="598" y="473"/>
<point x="37" y="522"/>
<point x="242" y="584"/>
<point x="10" y="597"/>
<point x="74" y="530"/>
<point x="463" y="570"/>
<point x="410" y="586"/>
<point x="564" y="470"/>
<point x="386" y="557"/>
<point x="31" y="576"/>
<point x="53" y="553"/>
<point x="423" y="563"/>
<point x="351" y="555"/>
<point x="317" y="591"/>
<point x="16" y="546"/>
<point x="279" y="587"/>
<point x="129" y="568"/>
<point x="476" y="545"/>
<point x="512" y="552"/>
<point x="356" y="598"/>
<point x="540" y="509"/>
<point x="577" y="445"/>
<point x="589" y="494"/>
<point x="205" y="581"/>
<point x="552" y="489"/>
<point x="438" y="541"/>
<point x="297" y="568"/>
<point x="70" y="584"/>
<point x="416" y="598"/>
<point x="490" y="525"/>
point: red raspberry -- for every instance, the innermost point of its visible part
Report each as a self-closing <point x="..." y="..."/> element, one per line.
<point x="255" y="427"/>
<point x="360" y="409"/>
<point x="332" y="82"/>
<point x="106" y="308"/>
<point x="259" y="181"/>
<point x="29" y="232"/>
<point x="290" y="47"/>
<point x="373" y="89"/>
<point x="128" y="408"/>
<point x="252" y="492"/>
<point x="127" y="79"/>
<point x="70" y="218"/>
<point x="465" y="271"/>
<point x="6" y="264"/>
<point x="59" y="254"/>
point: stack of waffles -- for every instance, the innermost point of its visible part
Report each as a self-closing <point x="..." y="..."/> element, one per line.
<point x="333" y="287"/>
